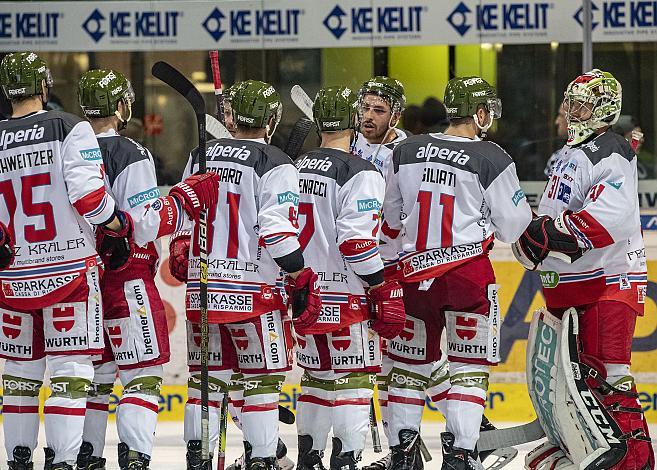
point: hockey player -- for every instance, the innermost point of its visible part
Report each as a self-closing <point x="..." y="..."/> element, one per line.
<point x="340" y="204"/>
<point x="135" y="319"/>
<point x="587" y="242"/>
<point x="50" y="304"/>
<point x="253" y="235"/>
<point x="447" y="196"/>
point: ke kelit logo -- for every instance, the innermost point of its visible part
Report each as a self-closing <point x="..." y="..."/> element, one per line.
<point x="466" y="328"/>
<point x="369" y="20"/>
<point x="240" y="338"/>
<point x="114" y="333"/>
<point x="63" y="318"/>
<point x="497" y="16"/>
<point x="253" y="23"/>
<point x="11" y="325"/>
<point x="616" y="14"/>
<point x="33" y="25"/>
<point x="132" y="24"/>
<point x="341" y="339"/>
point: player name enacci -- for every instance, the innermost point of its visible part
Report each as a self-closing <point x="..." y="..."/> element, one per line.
<point x="26" y="160"/>
<point x="430" y="151"/>
<point x="317" y="188"/>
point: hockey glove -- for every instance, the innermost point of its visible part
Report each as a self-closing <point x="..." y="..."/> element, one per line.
<point x="303" y="293"/>
<point x="386" y="302"/>
<point x="113" y="247"/>
<point x="179" y="254"/>
<point x="197" y="192"/>
<point x="543" y="235"/>
<point x="6" y="248"/>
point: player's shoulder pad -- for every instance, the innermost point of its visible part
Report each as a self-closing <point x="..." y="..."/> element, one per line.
<point x="406" y="150"/>
<point x="332" y="163"/>
<point x="492" y="162"/>
<point x="68" y="120"/>
<point x="120" y="152"/>
<point x="271" y="157"/>
<point x="261" y="157"/>
<point x="604" y="145"/>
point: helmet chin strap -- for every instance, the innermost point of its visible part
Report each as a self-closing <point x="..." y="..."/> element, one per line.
<point x="124" y="122"/>
<point x="485" y="127"/>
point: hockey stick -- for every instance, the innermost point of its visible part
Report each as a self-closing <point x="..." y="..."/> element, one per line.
<point x="302" y="100"/>
<point x="509" y="437"/>
<point x="223" y="423"/>
<point x="503" y="457"/>
<point x="285" y="416"/>
<point x="297" y="137"/>
<point x="179" y="82"/>
<point x="374" y="427"/>
<point x="216" y="79"/>
<point x="215" y="128"/>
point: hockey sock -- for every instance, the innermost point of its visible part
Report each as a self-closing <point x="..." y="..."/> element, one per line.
<point x="465" y="402"/>
<point x="382" y="390"/>
<point x="95" y="419"/>
<point x="314" y="408"/>
<point x="136" y="415"/>
<point x="218" y="383"/>
<point x="439" y="384"/>
<point x="406" y="398"/>
<point x="351" y="411"/>
<point x="64" y="410"/>
<point x="236" y="395"/>
<point x="260" y="413"/>
<point x="22" y="381"/>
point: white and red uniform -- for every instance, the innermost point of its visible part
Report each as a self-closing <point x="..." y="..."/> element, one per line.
<point x="135" y="320"/>
<point x="52" y="190"/>
<point x="254" y="222"/>
<point x="339" y="209"/>
<point x="446" y="198"/>
<point x="597" y="181"/>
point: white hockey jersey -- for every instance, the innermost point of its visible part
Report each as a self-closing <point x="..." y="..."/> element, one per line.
<point x="379" y="157"/>
<point x="597" y="181"/>
<point x="339" y="209"/>
<point x="51" y="189"/>
<point x="447" y="197"/>
<point x="255" y="221"/>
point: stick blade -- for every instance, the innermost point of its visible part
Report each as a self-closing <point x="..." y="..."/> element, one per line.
<point x="298" y="136"/>
<point x="285" y="416"/>
<point x="508" y="437"/>
<point x="302" y="100"/>
<point x="176" y="80"/>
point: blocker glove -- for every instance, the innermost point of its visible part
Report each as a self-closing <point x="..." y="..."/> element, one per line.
<point x="197" y="192"/>
<point x="113" y="247"/>
<point x="543" y="235"/>
<point x="303" y="292"/>
<point x="179" y="254"/>
<point x="387" y="303"/>
<point x="6" y="247"/>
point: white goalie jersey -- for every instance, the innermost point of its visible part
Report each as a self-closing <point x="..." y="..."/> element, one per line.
<point x="447" y="197"/>
<point x="339" y="209"/>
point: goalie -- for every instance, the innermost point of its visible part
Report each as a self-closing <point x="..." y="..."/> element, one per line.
<point x="587" y="243"/>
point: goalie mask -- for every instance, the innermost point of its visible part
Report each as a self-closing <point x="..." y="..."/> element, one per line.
<point x="99" y="94"/>
<point x="254" y="103"/>
<point x="592" y="101"/>
<point x="21" y="75"/>
<point x="464" y="95"/>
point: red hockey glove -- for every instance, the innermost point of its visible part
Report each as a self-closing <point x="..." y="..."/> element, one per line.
<point x="543" y="235"/>
<point x="179" y="254"/>
<point x="303" y="293"/>
<point x="113" y="247"/>
<point x="387" y="304"/>
<point x="6" y="248"/>
<point x="199" y="191"/>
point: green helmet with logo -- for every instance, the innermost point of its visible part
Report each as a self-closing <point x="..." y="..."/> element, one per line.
<point x="254" y="102"/>
<point x="229" y="92"/>
<point x="464" y="95"/>
<point x="99" y="92"/>
<point x="335" y="109"/>
<point x="21" y="74"/>
<point x="390" y="89"/>
<point x="601" y="94"/>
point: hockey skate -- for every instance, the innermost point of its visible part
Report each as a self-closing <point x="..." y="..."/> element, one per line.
<point x="384" y="463"/>
<point x="49" y="458"/>
<point x="86" y="461"/>
<point x="406" y="455"/>
<point x="284" y="462"/>
<point x="342" y="460"/>
<point x="309" y="459"/>
<point x="62" y="466"/>
<point x="131" y="459"/>
<point x="455" y="458"/>
<point x="21" y="460"/>
<point x="193" y="456"/>
<point x="262" y="463"/>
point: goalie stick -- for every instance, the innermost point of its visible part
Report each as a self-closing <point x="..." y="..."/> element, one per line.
<point x="509" y="437"/>
<point x="182" y="85"/>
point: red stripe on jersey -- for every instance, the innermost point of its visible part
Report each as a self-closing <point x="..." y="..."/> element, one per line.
<point x="591" y="228"/>
<point x="260" y="407"/>
<point x="97" y="406"/>
<point x="464" y="397"/>
<point x="405" y="400"/>
<point x="139" y="402"/>
<point x="7" y="409"/>
<point x="90" y="201"/>
<point x="389" y="232"/>
<point x="440" y="396"/>
<point x="237" y="403"/>
<point x="62" y="410"/>
<point x="197" y="402"/>
<point x="332" y="403"/>
<point x="356" y="247"/>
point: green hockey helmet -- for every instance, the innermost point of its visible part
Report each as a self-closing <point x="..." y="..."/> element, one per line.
<point x="335" y="109"/>
<point x="21" y="74"/>
<point x="464" y="95"/>
<point x="253" y="104"/>
<point x="99" y="92"/>
<point x="390" y="89"/>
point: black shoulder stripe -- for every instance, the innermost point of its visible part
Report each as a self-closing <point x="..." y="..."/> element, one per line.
<point x="261" y="157"/>
<point x="335" y="164"/>
<point x="605" y="144"/>
<point x="50" y="126"/>
<point x="119" y="153"/>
